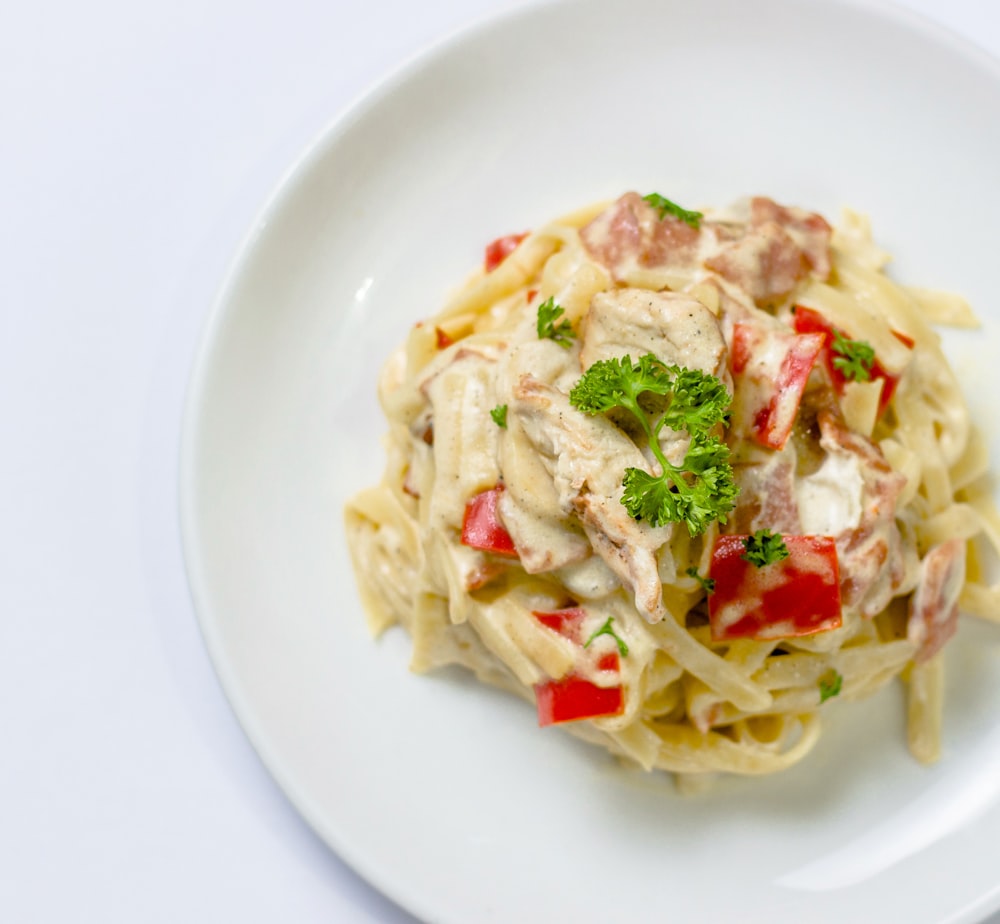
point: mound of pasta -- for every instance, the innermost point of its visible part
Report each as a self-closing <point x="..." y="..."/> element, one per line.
<point x="680" y="479"/>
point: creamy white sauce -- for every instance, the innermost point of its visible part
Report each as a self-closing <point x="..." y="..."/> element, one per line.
<point x="769" y="354"/>
<point x="590" y="579"/>
<point x="829" y="500"/>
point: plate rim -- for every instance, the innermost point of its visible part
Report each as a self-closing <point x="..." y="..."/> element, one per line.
<point x="281" y="191"/>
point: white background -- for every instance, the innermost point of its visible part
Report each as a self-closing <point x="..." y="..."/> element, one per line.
<point x="139" y="142"/>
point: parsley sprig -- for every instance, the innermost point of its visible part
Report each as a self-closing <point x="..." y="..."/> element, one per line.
<point x="699" y="490"/>
<point x="764" y="548"/>
<point x="548" y="313"/>
<point x="607" y="630"/>
<point x="829" y="685"/>
<point x="665" y="207"/>
<point x="499" y="415"/>
<point x="854" y="358"/>
<point x="707" y="584"/>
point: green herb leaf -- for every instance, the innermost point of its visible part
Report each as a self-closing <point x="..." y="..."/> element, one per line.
<point x="548" y="313"/>
<point x="611" y="383"/>
<point x="499" y="415"/>
<point x="666" y="207"/>
<point x="764" y="548"/>
<point x="702" y="488"/>
<point x="673" y="498"/>
<point x="854" y="358"/>
<point x="607" y="630"/>
<point x="707" y="584"/>
<point x="829" y="685"/>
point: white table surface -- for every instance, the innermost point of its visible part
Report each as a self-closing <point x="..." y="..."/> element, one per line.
<point x="139" y="141"/>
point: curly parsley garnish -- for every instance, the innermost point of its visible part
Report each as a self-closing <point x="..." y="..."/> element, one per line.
<point x="829" y="685"/>
<point x="707" y="584"/>
<point x="764" y="548"/>
<point x="665" y="207"/>
<point x="699" y="490"/>
<point x="499" y="415"/>
<point x="607" y="630"/>
<point x="853" y="358"/>
<point x="548" y="313"/>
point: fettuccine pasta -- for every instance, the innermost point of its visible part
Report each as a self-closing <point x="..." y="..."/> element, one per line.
<point x="680" y="479"/>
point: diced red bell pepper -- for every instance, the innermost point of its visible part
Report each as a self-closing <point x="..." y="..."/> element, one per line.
<point x="573" y="698"/>
<point x="442" y="339"/>
<point x="566" y="622"/>
<point x="771" y="367"/>
<point x="799" y="595"/>
<point x="807" y="320"/>
<point x="481" y="526"/>
<point x="497" y="251"/>
<point x="608" y="661"/>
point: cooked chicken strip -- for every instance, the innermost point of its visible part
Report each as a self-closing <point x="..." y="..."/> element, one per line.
<point x="676" y="328"/>
<point x="587" y="456"/>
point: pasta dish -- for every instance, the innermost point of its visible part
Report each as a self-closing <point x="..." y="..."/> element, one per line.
<point x="681" y="479"/>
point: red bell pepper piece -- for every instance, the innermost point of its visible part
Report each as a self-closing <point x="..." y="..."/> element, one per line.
<point x="799" y="595"/>
<point x="771" y="367"/>
<point x="567" y="622"/>
<point x="497" y="251"/>
<point x="573" y="697"/>
<point x="808" y="320"/>
<point x="481" y="526"/>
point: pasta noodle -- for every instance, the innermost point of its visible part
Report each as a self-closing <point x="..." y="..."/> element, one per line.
<point x="501" y="536"/>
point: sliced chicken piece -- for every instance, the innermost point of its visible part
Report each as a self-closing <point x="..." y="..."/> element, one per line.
<point x="676" y="328"/>
<point x="587" y="457"/>
<point x="547" y="537"/>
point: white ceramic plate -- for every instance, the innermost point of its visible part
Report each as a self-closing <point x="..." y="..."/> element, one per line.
<point x="445" y="795"/>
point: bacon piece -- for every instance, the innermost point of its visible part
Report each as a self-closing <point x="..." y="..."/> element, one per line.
<point x="871" y="555"/>
<point x="767" y="495"/>
<point x="630" y="236"/>
<point x="810" y="231"/>
<point x="766" y="253"/>
<point x="782" y="245"/>
<point x="766" y="263"/>
<point x="933" y="615"/>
